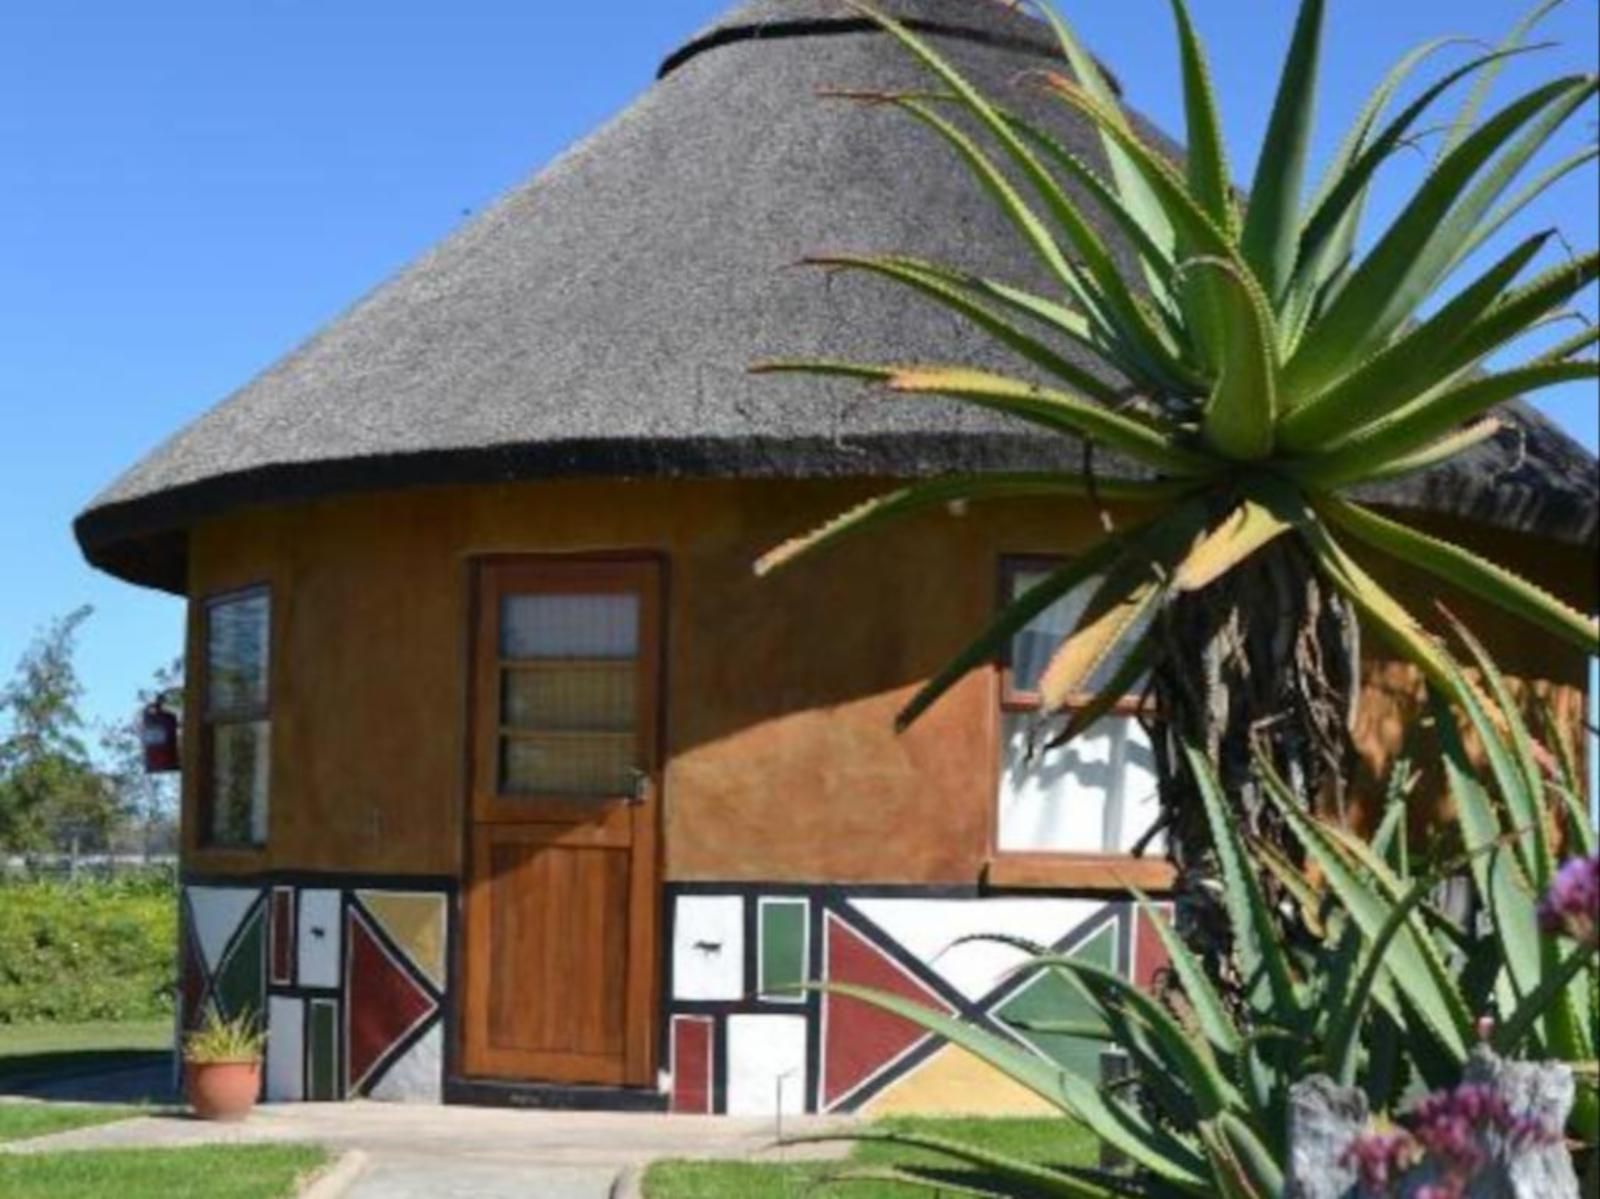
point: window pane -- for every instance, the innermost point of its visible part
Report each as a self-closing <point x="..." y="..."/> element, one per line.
<point x="560" y="696"/>
<point x="1036" y="643"/>
<point x="1097" y="795"/>
<point x="583" y="765"/>
<point x="569" y="626"/>
<point x="236" y="654"/>
<point x="239" y="768"/>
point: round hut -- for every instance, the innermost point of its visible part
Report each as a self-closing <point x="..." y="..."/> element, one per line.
<point x="503" y="777"/>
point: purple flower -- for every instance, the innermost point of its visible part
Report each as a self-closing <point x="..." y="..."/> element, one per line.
<point x="1572" y="905"/>
<point x="1448" y="1130"/>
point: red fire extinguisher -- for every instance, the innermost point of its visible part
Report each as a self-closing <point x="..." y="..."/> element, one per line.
<point x="159" y="732"/>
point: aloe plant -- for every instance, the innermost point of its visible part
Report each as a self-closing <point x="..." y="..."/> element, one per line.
<point x="1386" y="991"/>
<point x="1261" y="363"/>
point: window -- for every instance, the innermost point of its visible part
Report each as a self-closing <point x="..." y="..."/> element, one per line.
<point x="236" y="717"/>
<point x="1094" y="796"/>
<point x="569" y="705"/>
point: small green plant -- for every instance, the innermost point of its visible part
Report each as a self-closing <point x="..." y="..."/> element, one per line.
<point x="237" y="1039"/>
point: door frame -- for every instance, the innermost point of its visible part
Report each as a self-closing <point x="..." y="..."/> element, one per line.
<point x="643" y="1040"/>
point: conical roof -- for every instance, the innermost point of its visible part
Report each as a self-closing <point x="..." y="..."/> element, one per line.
<point x="599" y="318"/>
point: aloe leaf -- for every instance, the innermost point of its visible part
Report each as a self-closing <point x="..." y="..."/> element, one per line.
<point x="1228" y="1173"/>
<point x="1255" y="931"/>
<point x="1344" y="1026"/>
<point x="1240" y="415"/>
<point x="961" y="489"/>
<point x="1055" y="409"/>
<point x="1259" y="1165"/>
<point x="1431" y="417"/>
<point x="1271" y="220"/>
<point x="1016" y="1170"/>
<point x="988" y="644"/>
<point x="1464" y="569"/>
<point x="1113" y="1122"/>
<point x="959" y="300"/>
<point x="1522" y="309"/>
<point x="1394" y="278"/>
<point x="1006" y="197"/>
<point x="1408" y="367"/>
<point x="1527" y="801"/>
<point x="1328" y="220"/>
<point x="1499" y="881"/>
<point x="1209" y="179"/>
<point x="1450" y="446"/>
<point x="1568" y="347"/>
<point x="1120" y="606"/>
<point x="1538" y="1003"/>
<point x="1316" y="268"/>
<point x="1433" y="996"/>
<point x="1131" y="186"/>
<point x="1497" y="220"/>
<point x="1569" y="782"/>
<point x="1241" y="533"/>
<point x="1132" y="321"/>
<point x="1462" y="125"/>
<point x="1190" y="1058"/>
<point x="1156" y="255"/>
<point x="1136" y="664"/>
<point x="1211" y="1013"/>
<point x="1200" y="234"/>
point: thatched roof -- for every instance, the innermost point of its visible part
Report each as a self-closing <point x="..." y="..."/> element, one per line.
<point x="599" y="318"/>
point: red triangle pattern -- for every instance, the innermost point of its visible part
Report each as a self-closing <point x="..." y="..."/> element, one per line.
<point x="383" y="1002"/>
<point x="858" y="1038"/>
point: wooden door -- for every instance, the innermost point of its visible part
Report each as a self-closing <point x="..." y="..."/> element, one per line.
<point x="562" y="890"/>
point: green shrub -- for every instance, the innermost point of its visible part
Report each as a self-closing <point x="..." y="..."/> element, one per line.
<point x="71" y="952"/>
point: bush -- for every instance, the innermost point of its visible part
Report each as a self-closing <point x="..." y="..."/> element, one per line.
<point x="71" y="952"/>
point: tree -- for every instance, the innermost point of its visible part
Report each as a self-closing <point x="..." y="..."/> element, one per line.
<point x="50" y="791"/>
<point x="1260" y="365"/>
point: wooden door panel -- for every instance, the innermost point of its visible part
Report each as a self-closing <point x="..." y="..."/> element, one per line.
<point x="561" y="901"/>
<point x="558" y="926"/>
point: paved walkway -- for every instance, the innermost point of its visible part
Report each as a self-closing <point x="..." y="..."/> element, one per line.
<point x="482" y="1153"/>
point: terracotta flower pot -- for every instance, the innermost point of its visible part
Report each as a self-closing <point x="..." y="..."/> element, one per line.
<point x="222" y="1090"/>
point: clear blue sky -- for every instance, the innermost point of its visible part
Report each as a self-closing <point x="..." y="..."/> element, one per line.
<point x="188" y="189"/>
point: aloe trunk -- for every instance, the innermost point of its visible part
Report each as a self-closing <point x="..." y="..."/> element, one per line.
<point x="1265" y="660"/>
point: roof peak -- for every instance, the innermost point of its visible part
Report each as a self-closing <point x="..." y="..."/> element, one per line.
<point x="1002" y="24"/>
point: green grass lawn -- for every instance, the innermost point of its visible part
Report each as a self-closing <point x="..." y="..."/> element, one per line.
<point x="209" y="1172"/>
<point x="1056" y="1142"/>
<point x="30" y="1050"/>
<point x="19" y="1121"/>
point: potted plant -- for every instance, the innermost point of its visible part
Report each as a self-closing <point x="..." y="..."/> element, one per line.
<point x="222" y="1066"/>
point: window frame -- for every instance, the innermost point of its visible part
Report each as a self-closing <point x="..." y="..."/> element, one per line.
<point x="207" y="720"/>
<point x="1054" y="869"/>
<point x="1013" y="698"/>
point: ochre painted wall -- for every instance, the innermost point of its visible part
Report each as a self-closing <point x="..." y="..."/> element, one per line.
<point x="779" y="693"/>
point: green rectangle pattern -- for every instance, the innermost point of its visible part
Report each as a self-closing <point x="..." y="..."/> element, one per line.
<point x="783" y="948"/>
<point x="324" y="1054"/>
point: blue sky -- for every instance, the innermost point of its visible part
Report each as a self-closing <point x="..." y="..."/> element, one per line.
<point x="188" y="189"/>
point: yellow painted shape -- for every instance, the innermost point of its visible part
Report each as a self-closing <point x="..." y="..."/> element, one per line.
<point x="953" y="1082"/>
<point x="415" y="922"/>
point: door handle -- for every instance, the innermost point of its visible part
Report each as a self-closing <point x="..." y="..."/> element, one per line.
<point x="641" y="787"/>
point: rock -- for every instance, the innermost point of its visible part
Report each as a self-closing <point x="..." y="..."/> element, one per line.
<point x="1324" y="1118"/>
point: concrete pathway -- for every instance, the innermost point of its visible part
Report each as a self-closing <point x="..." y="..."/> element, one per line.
<point x="482" y="1153"/>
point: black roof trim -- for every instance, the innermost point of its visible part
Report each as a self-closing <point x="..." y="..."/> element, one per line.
<point x="728" y="35"/>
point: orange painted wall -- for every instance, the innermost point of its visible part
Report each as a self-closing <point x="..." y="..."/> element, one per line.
<point x="779" y="692"/>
